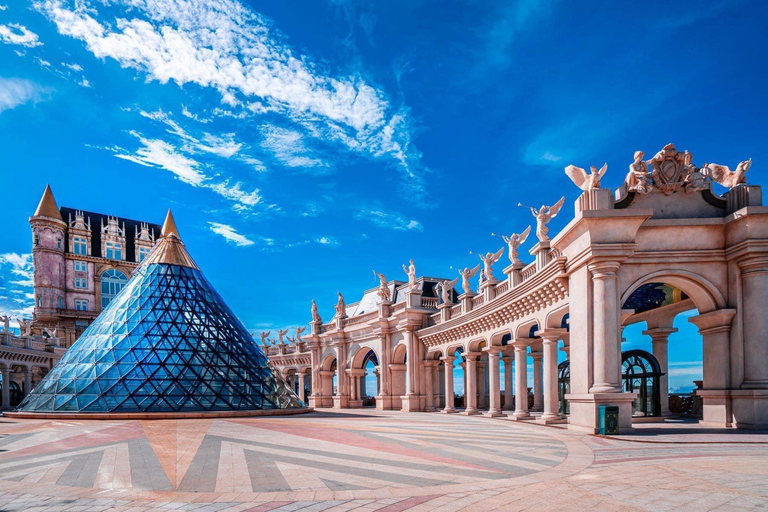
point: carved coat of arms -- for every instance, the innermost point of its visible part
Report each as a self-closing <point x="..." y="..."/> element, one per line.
<point x="668" y="165"/>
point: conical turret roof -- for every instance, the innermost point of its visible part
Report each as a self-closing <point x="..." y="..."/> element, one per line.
<point x="167" y="343"/>
<point x="47" y="206"/>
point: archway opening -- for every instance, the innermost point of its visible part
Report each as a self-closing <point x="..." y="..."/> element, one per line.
<point x="371" y="381"/>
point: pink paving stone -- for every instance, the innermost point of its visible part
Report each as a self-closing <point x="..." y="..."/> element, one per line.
<point x="409" y="503"/>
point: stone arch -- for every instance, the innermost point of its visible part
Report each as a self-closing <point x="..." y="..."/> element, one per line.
<point x="328" y="362"/>
<point x="554" y="318"/>
<point x="361" y="357"/>
<point x="496" y="337"/>
<point x="523" y="330"/>
<point x="399" y="354"/>
<point x="477" y="344"/>
<point x="704" y="294"/>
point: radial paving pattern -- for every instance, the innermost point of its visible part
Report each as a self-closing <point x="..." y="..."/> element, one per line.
<point x="376" y="460"/>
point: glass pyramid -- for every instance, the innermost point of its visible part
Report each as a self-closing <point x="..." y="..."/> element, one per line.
<point x="166" y="343"/>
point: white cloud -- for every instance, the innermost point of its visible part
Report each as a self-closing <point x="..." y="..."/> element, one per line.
<point x="389" y="220"/>
<point x="224" y="45"/>
<point x="16" y="277"/>
<point x="13" y="33"/>
<point x="327" y="240"/>
<point x="73" y="67"/>
<point x="230" y="234"/>
<point x="16" y="91"/>
<point x="289" y="148"/>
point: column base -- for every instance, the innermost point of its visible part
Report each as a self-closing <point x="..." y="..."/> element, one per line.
<point x="410" y="403"/>
<point x="471" y="412"/>
<point x="741" y="408"/>
<point x="340" y="402"/>
<point x="355" y="404"/>
<point x="383" y="403"/>
<point x="553" y="419"/>
<point x="522" y="416"/>
<point x="449" y="410"/>
<point x="585" y="409"/>
<point x="495" y="414"/>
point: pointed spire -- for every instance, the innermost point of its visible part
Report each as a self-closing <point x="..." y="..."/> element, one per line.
<point x="169" y="249"/>
<point x="47" y="206"/>
<point x="169" y="226"/>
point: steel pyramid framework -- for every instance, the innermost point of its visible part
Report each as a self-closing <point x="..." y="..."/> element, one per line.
<point x="167" y="343"/>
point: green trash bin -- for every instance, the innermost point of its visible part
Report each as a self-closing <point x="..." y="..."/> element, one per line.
<point x="608" y="420"/>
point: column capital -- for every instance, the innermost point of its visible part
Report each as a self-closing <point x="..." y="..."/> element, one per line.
<point x="552" y="334"/>
<point x="537" y="356"/>
<point x="471" y="356"/>
<point x="604" y="269"/>
<point x="660" y="333"/>
<point x="754" y="265"/>
<point x="431" y="362"/>
<point x="713" y="321"/>
<point x="521" y="343"/>
<point x="448" y="359"/>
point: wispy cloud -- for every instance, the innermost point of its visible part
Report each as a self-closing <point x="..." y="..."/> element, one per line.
<point x="327" y="240"/>
<point x="16" y="284"/>
<point x="224" y="45"/>
<point x="13" y="33"/>
<point x="389" y="220"/>
<point x="230" y="234"/>
<point x="17" y="91"/>
<point x="289" y="148"/>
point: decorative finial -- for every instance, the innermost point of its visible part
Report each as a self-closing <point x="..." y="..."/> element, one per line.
<point x="169" y="226"/>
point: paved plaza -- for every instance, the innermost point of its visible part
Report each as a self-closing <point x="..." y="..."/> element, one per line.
<point x="373" y="460"/>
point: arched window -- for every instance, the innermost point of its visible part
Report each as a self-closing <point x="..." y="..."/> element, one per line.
<point x="112" y="281"/>
<point x="641" y="373"/>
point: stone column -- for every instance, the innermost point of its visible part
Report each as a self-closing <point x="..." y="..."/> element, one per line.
<point x="605" y="328"/>
<point x="27" y="382"/>
<point x="509" y="391"/>
<point x="549" y="338"/>
<point x="6" y="388"/>
<point x="521" y="379"/>
<point x="302" y="395"/>
<point x="384" y="366"/>
<point x="482" y="383"/>
<point x="449" y="402"/>
<point x="429" y="370"/>
<point x="411" y="359"/>
<point x="538" y="382"/>
<point x="659" y="342"/>
<point x="494" y="407"/>
<point x="754" y="278"/>
<point x="470" y="392"/>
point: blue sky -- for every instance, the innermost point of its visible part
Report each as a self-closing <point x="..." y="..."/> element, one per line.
<point x="302" y="144"/>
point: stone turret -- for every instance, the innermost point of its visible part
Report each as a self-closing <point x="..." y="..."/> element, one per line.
<point x="48" y="228"/>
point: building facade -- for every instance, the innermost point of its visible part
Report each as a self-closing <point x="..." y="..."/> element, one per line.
<point x="81" y="261"/>
<point x="663" y="244"/>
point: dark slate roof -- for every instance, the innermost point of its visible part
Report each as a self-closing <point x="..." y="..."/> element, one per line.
<point x="96" y="218"/>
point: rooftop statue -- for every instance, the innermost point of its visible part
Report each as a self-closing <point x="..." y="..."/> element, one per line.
<point x="638" y="179"/>
<point x="410" y="270"/>
<point x="315" y="313"/>
<point x="693" y="178"/>
<point x="586" y="181"/>
<point x="514" y="241"/>
<point x="723" y="175"/>
<point x="6" y="323"/>
<point x="466" y="275"/>
<point x="445" y="288"/>
<point x="543" y="216"/>
<point x="668" y="165"/>
<point x="25" y="327"/>
<point x="488" y="260"/>
<point x="299" y="331"/>
<point x="280" y="335"/>
<point x="291" y="340"/>
<point x="383" y="292"/>
<point x="341" y="307"/>
<point x="264" y="338"/>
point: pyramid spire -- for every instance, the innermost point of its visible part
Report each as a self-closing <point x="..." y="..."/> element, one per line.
<point x="170" y="249"/>
<point x="47" y="206"/>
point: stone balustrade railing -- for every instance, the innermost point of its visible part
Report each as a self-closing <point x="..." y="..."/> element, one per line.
<point x="502" y="287"/>
<point x="455" y="310"/>
<point x="361" y="319"/>
<point x="477" y="300"/>
<point x="528" y="272"/>
<point x="429" y="302"/>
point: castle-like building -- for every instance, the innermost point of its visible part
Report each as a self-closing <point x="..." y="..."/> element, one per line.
<point x="81" y="261"/>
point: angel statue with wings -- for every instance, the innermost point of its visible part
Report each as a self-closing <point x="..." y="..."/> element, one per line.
<point x="466" y="275"/>
<point x="723" y="175"/>
<point x="444" y="288"/>
<point x="264" y="336"/>
<point x="586" y="181"/>
<point x="299" y="332"/>
<point x="543" y="216"/>
<point x="514" y="241"/>
<point x="280" y="334"/>
<point x="488" y="260"/>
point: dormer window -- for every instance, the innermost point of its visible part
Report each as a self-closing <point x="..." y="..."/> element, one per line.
<point x="80" y="246"/>
<point x="143" y="253"/>
<point x="114" y="251"/>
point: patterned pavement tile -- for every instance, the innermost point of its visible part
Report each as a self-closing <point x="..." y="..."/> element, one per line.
<point x="371" y="460"/>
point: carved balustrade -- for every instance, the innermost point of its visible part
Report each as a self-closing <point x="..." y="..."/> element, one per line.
<point x="429" y="303"/>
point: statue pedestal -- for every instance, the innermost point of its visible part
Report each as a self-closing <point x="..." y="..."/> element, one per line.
<point x="466" y="302"/>
<point x="597" y="199"/>
<point x="315" y="327"/>
<point x="384" y="308"/>
<point x="413" y="298"/>
<point x="541" y="252"/>
<point x="488" y="288"/>
<point x="742" y="196"/>
<point x="513" y="273"/>
<point x="445" y="311"/>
